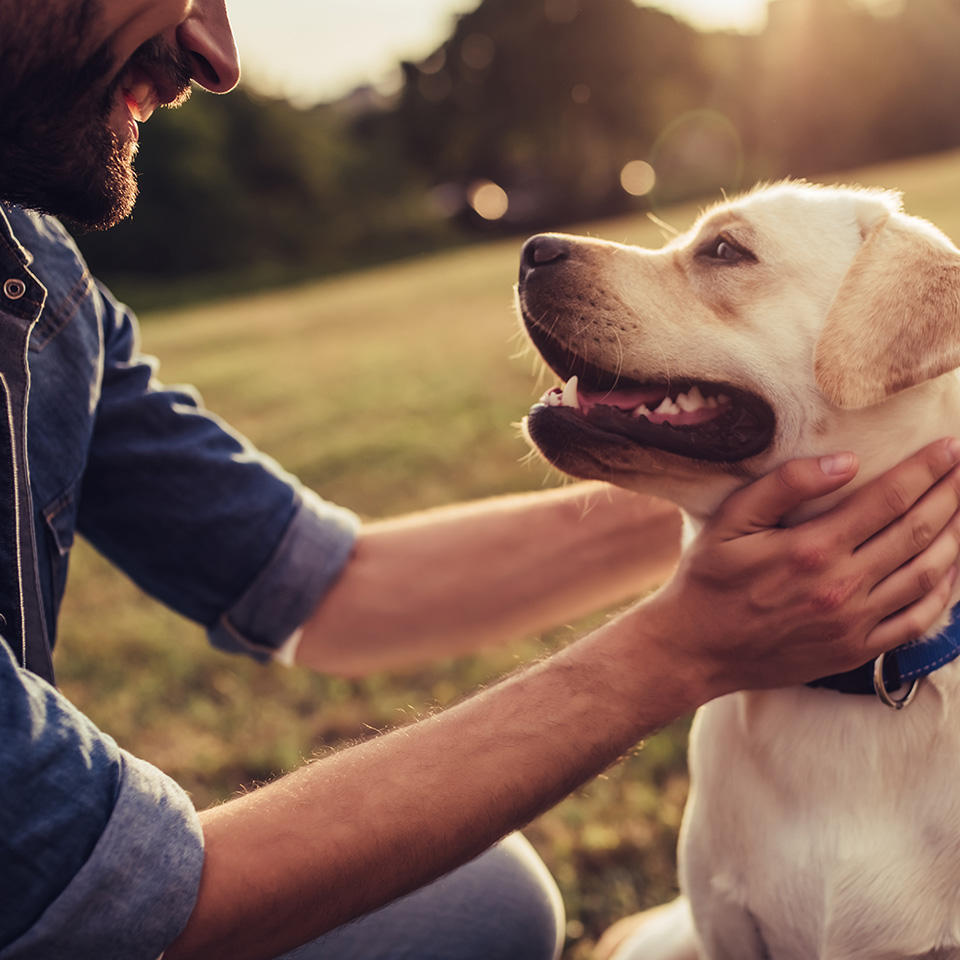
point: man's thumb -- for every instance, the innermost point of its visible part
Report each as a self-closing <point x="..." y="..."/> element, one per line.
<point x="766" y="501"/>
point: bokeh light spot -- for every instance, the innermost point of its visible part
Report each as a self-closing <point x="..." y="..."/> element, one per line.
<point x="488" y="199"/>
<point x="638" y="178"/>
<point x="580" y="93"/>
<point x="477" y="51"/>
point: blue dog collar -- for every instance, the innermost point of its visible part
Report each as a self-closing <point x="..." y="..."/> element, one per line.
<point x="904" y="665"/>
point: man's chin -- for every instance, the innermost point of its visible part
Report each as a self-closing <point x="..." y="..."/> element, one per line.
<point x="94" y="190"/>
<point x="106" y="211"/>
<point x="114" y="196"/>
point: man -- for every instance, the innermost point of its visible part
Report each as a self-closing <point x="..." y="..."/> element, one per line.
<point x="102" y="856"/>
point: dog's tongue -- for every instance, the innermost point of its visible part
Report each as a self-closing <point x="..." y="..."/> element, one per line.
<point x="628" y="399"/>
<point x="654" y="403"/>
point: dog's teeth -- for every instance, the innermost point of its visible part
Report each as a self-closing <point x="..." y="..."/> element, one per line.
<point x="553" y="399"/>
<point x="570" y="393"/>
<point x="667" y="407"/>
<point x="691" y="401"/>
<point x="712" y="403"/>
<point x="641" y="411"/>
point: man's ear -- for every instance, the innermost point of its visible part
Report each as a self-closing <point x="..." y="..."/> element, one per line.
<point x="896" y="320"/>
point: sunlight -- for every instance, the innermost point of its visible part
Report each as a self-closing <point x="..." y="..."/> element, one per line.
<point x="746" y="15"/>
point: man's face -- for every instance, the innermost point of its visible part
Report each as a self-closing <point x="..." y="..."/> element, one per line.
<point x="76" y="79"/>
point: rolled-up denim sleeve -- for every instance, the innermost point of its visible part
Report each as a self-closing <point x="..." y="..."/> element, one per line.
<point x="102" y="853"/>
<point x="309" y="558"/>
<point x="195" y="514"/>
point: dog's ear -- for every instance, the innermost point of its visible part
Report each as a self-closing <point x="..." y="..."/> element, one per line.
<point x="896" y="320"/>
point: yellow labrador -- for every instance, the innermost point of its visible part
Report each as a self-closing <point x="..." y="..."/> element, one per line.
<point x="794" y="321"/>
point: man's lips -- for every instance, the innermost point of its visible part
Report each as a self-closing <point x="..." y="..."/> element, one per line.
<point x="141" y="94"/>
<point x="146" y="86"/>
<point x="133" y="105"/>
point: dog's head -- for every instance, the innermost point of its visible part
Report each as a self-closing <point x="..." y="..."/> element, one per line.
<point x="794" y="321"/>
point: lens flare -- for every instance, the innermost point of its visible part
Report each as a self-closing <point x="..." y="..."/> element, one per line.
<point x="488" y="199"/>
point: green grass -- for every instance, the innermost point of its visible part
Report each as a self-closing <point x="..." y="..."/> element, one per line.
<point x="386" y="390"/>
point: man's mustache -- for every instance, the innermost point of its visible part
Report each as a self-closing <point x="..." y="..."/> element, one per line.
<point x="168" y="66"/>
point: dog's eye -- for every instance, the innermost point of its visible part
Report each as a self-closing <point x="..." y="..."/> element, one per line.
<point x="723" y="248"/>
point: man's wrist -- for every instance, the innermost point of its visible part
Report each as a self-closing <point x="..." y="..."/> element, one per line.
<point x="664" y="675"/>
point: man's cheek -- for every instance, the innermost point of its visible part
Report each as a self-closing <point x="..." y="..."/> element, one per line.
<point x="124" y="25"/>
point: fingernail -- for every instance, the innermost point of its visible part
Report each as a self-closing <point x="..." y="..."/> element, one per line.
<point x="953" y="451"/>
<point x="835" y="464"/>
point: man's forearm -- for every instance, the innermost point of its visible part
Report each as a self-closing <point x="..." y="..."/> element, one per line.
<point x="348" y="833"/>
<point x="454" y="580"/>
<point x="746" y="609"/>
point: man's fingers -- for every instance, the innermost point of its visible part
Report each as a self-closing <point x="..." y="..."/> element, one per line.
<point x="912" y="622"/>
<point x="935" y="514"/>
<point x="765" y="501"/>
<point x="921" y="575"/>
<point x="878" y="503"/>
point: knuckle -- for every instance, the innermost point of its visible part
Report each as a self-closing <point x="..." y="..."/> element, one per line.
<point x="831" y="598"/>
<point x="810" y="556"/>
<point x="896" y="497"/>
<point x="791" y="476"/>
<point x="828" y="601"/>
<point x="921" y="533"/>
<point x="927" y="578"/>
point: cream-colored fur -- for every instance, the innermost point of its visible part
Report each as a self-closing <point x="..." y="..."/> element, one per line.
<point x="820" y="826"/>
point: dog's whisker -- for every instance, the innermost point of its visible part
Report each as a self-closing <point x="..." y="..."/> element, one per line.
<point x="668" y="229"/>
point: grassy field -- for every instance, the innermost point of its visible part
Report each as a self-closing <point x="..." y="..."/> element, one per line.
<point x="386" y="390"/>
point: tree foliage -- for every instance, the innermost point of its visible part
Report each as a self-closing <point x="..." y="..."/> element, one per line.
<point x="549" y="99"/>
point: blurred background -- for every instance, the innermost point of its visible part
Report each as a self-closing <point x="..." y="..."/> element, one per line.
<point x="329" y="253"/>
<point x="516" y="115"/>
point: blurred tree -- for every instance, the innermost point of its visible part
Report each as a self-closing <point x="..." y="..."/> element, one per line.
<point x="536" y="106"/>
<point x="249" y="185"/>
<point x="550" y="99"/>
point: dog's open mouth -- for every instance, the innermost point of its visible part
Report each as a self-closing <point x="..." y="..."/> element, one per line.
<point x="701" y="420"/>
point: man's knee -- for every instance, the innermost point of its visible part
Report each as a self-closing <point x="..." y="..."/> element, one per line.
<point x="504" y="905"/>
<point x="526" y="907"/>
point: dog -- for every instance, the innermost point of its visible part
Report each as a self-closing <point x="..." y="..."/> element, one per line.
<point x="794" y="321"/>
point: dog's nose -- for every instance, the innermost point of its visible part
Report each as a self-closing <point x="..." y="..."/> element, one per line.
<point x="541" y="250"/>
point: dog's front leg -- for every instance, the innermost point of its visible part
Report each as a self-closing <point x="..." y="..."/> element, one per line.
<point x="729" y="932"/>
<point x="724" y="928"/>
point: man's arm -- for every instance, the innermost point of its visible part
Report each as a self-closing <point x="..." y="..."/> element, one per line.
<point x="453" y="580"/>
<point x="343" y="835"/>
<point x="91" y="838"/>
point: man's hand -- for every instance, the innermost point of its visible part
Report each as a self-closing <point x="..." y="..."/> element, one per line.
<point x="761" y="605"/>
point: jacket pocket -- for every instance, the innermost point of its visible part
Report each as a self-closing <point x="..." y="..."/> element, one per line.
<point x="60" y="518"/>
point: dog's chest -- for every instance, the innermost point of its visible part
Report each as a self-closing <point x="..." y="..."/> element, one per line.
<point x="832" y="822"/>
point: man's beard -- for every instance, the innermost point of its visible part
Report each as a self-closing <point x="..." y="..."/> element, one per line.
<point x="58" y="152"/>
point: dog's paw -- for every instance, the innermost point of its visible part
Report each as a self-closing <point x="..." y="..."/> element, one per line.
<point x="663" y="933"/>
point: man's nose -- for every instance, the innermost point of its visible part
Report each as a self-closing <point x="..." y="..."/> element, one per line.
<point x="207" y="39"/>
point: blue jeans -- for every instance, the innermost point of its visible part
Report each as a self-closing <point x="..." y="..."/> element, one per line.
<point x="502" y="906"/>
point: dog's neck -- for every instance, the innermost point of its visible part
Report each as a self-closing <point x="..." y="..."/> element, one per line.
<point x="902" y="666"/>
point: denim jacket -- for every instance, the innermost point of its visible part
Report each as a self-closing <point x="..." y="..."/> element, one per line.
<point x="91" y="442"/>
